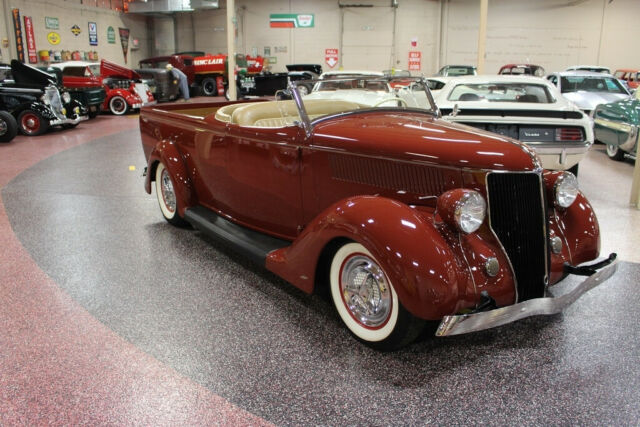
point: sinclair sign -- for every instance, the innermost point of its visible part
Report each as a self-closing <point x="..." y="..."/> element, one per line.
<point x="209" y="61"/>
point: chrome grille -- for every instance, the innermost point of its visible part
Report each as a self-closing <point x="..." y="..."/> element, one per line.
<point x="517" y="216"/>
<point x="53" y="96"/>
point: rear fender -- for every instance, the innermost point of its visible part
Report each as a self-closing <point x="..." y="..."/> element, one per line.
<point x="167" y="152"/>
<point x="427" y="276"/>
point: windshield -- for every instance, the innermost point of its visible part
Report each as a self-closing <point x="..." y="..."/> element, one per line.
<point x="591" y="84"/>
<point x="502" y="92"/>
<point x="336" y="96"/>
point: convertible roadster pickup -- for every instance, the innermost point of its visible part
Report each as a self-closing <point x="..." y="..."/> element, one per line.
<point x="403" y="217"/>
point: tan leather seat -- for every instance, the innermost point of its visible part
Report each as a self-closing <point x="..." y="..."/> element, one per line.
<point x="285" y="113"/>
<point x="224" y="113"/>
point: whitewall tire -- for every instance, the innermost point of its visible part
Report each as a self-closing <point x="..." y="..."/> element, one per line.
<point x="167" y="199"/>
<point x="366" y="300"/>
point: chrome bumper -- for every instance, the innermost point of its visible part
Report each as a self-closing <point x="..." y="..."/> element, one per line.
<point x="67" y="121"/>
<point x="464" y="323"/>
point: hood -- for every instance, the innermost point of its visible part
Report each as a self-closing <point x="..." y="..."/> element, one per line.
<point x="417" y="137"/>
<point x="314" y="68"/>
<point x="589" y="100"/>
<point x="110" y="69"/>
<point x="26" y="74"/>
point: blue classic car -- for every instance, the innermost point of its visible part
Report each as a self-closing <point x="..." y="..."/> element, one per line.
<point x="616" y="125"/>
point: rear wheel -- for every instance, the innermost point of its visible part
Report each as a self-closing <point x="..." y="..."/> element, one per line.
<point x="167" y="199"/>
<point x="209" y="87"/>
<point x="118" y="106"/>
<point x="8" y="127"/>
<point x="31" y="123"/>
<point x="367" y="302"/>
<point x="614" y="152"/>
<point x="304" y="89"/>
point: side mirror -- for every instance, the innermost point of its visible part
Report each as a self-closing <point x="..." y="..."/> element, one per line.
<point x="455" y="111"/>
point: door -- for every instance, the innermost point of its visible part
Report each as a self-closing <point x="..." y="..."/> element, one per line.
<point x="367" y="41"/>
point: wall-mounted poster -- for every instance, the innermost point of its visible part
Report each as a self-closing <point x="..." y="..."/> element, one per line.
<point x="17" y="28"/>
<point x="76" y="30"/>
<point x="54" y="38"/>
<point x="291" y="20"/>
<point x="331" y="57"/>
<point x="124" y="40"/>
<point x="93" y="34"/>
<point x="111" y="35"/>
<point x="51" y="23"/>
<point x="415" y="59"/>
<point x="31" y="40"/>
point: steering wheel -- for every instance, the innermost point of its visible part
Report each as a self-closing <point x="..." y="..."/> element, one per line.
<point x="393" y="98"/>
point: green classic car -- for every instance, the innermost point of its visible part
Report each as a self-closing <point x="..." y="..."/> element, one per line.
<point x="616" y="125"/>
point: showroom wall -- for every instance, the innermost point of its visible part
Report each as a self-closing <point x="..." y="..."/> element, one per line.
<point x="552" y="33"/>
<point x="68" y="14"/>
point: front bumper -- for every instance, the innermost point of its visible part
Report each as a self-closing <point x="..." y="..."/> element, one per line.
<point x="68" y="121"/>
<point x="465" y="323"/>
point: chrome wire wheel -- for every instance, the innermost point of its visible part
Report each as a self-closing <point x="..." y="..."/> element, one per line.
<point x="365" y="291"/>
<point x="167" y="197"/>
<point x="363" y="294"/>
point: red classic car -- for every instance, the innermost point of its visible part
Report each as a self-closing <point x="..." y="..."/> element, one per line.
<point x="404" y="217"/>
<point x="123" y="86"/>
<point x="628" y="75"/>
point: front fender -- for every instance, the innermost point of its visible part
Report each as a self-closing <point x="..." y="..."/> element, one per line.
<point x="579" y="230"/>
<point x="167" y="152"/>
<point x="429" y="279"/>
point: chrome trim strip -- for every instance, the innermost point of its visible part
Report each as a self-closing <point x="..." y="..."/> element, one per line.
<point x="465" y="323"/>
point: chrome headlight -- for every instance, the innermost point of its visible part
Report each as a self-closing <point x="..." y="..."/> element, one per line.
<point x="566" y="190"/>
<point x="66" y="97"/>
<point x="463" y="209"/>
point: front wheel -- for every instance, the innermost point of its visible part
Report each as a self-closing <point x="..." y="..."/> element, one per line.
<point x="118" y="106"/>
<point x="366" y="300"/>
<point x="167" y="199"/>
<point x="614" y="152"/>
<point x="32" y="123"/>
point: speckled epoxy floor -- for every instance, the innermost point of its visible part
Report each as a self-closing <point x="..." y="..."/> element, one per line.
<point x="212" y="318"/>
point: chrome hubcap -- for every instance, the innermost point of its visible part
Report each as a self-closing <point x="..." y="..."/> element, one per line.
<point x="168" y="195"/>
<point x="612" y="150"/>
<point x="3" y="127"/>
<point x="365" y="291"/>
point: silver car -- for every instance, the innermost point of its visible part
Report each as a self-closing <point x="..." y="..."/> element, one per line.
<point x="588" y="89"/>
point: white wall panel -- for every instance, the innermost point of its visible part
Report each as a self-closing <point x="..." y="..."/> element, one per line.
<point x="72" y="13"/>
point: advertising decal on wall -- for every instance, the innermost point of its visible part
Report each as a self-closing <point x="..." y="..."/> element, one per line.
<point x="124" y="40"/>
<point x="291" y="20"/>
<point x="76" y="30"/>
<point x="54" y="38"/>
<point x="111" y="35"/>
<point x="331" y="57"/>
<point x="51" y="23"/>
<point x="31" y="40"/>
<point x="17" y="27"/>
<point x="93" y="34"/>
<point x="415" y="58"/>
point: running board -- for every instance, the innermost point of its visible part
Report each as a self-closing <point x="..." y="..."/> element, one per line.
<point x="252" y="244"/>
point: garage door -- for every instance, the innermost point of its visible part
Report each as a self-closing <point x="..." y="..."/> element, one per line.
<point x="368" y="38"/>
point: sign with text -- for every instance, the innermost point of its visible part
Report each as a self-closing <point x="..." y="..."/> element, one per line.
<point x="124" y="41"/>
<point x="331" y="57"/>
<point x="31" y="40"/>
<point x="111" y="35"/>
<point x="415" y="59"/>
<point x="291" y="20"/>
<point x="51" y="23"/>
<point x="93" y="34"/>
<point x="17" y="28"/>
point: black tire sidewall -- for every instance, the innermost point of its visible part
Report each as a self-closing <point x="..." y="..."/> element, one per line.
<point x="44" y="123"/>
<point x="11" y="124"/>
<point x="126" y="106"/>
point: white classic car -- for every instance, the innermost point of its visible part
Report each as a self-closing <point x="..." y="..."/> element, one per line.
<point x="529" y="109"/>
<point x="587" y="89"/>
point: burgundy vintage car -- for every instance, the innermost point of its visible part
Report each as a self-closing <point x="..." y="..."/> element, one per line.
<point x="404" y="217"/>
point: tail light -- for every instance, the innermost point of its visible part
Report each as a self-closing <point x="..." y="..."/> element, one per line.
<point x="569" y="134"/>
